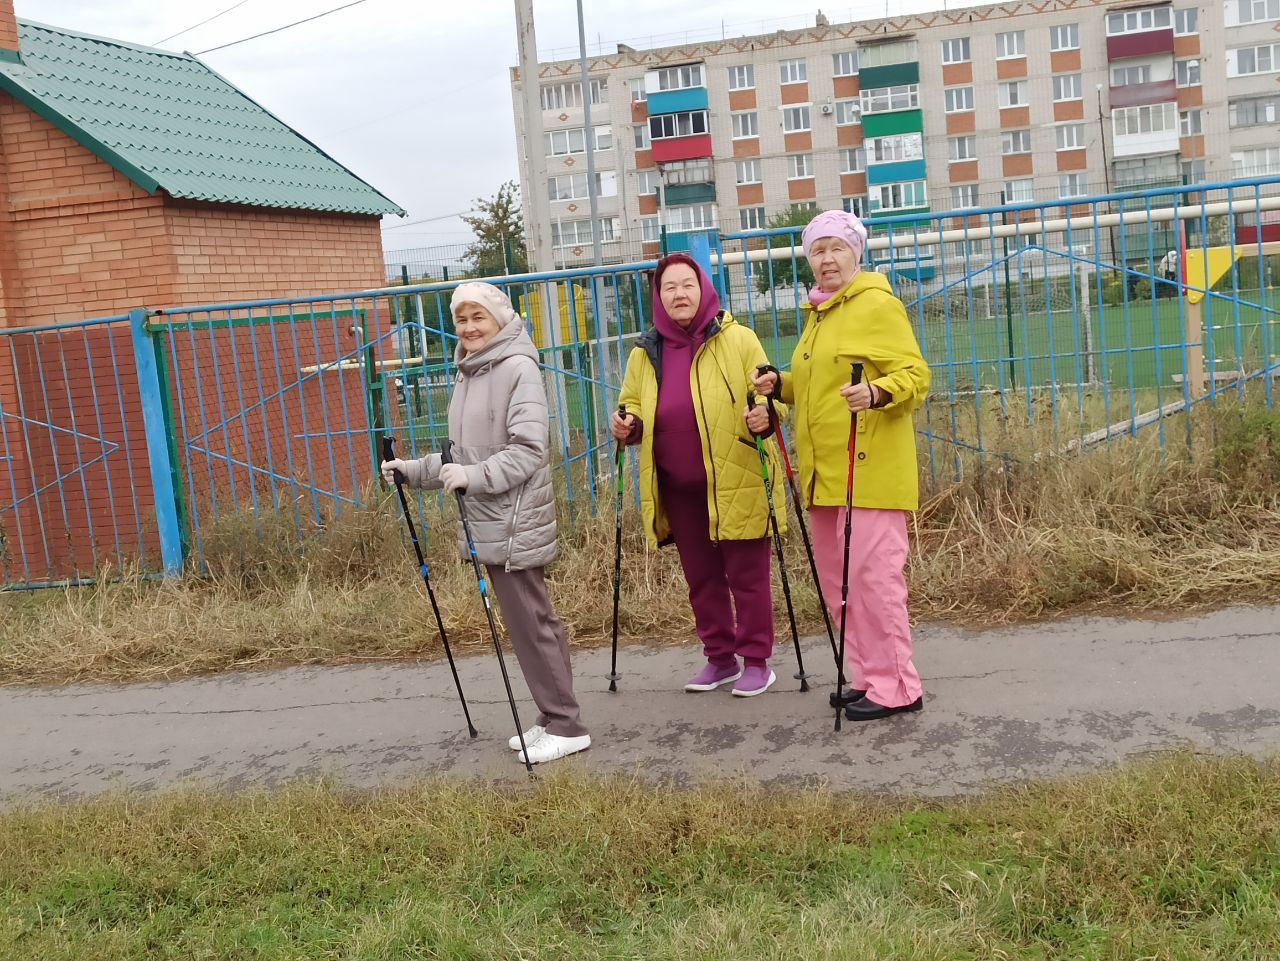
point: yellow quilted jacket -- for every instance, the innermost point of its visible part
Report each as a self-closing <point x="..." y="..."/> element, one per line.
<point x="719" y="378"/>
<point x="864" y="322"/>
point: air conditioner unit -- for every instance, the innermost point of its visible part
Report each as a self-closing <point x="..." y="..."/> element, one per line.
<point x="827" y="109"/>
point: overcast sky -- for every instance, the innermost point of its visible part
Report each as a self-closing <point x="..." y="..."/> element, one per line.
<point x="413" y="95"/>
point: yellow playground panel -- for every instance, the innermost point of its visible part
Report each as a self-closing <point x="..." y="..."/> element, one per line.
<point x="1205" y="267"/>
<point x="575" y="317"/>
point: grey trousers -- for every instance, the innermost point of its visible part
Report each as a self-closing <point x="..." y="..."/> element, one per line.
<point x="540" y="645"/>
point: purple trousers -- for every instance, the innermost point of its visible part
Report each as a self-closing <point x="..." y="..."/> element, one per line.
<point x="725" y="578"/>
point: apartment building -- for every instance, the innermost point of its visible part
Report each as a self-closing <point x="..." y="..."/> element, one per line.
<point x="937" y="111"/>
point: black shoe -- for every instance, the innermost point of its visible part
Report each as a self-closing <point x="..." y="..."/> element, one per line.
<point x="868" y="710"/>
<point x="848" y="697"/>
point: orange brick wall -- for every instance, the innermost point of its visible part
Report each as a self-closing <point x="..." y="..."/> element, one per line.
<point x="8" y="26"/>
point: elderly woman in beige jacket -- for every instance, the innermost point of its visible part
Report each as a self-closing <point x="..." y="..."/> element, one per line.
<point x="498" y="424"/>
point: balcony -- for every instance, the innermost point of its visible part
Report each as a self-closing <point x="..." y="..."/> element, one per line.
<point x="1139" y="94"/>
<point x="1147" y="43"/>
<point x="678" y="195"/>
<point x="681" y="148"/>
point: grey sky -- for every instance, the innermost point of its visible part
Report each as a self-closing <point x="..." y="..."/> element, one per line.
<point x="414" y="96"/>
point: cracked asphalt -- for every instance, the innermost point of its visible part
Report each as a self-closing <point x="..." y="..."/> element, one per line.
<point x="1002" y="706"/>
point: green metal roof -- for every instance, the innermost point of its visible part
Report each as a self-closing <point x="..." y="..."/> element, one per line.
<point x="169" y="122"/>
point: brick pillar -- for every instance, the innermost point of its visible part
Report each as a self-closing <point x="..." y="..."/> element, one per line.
<point x="8" y="30"/>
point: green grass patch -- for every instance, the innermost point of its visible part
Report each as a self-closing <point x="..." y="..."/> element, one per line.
<point x="1175" y="858"/>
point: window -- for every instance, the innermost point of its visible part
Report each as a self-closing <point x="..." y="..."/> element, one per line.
<point x="1259" y="162"/>
<point x="1186" y="22"/>
<point x="1187" y="73"/>
<point x="959" y="99"/>
<point x="799" y="166"/>
<point x="752" y="218"/>
<point x="955" y="50"/>
<point x="604" y="137"/>
<point x="1123" y="76"/>
<point x="573" y="140"/>
<point x="1019" y="191"/>
<point x="650" y="231"/>
<point x="882" y="99"/>
<point x="1254" y="111"/>
<point x="1250" y="60"/>
<point x="566" y="96"/>
<point x="964" y="196"/>
<point x="688" y="171"/>
<point x="744" y="125"/>
<point x="1067" y="87"/>
<point x="852" y="160"/>
<point x="847" y="113"/>
<point x="904" y="146"/>
<point x="1145" y="171"/>
<point x="965" y="249"/>
<point x="1070" y="136"/>
<point x="1011" y="44"/>
<point x="1072" y="185"/>
<point x="577" y="233"/>
<point x="1065" y="37"/>
<point x="1192" y="171"/>
<point x="679" y="78"/>
<point x="962" y="148"/>
<point x="636" y="87"/>
<point x="1258" y="11"/>
<point x="1147" y="119"/>
<point x="646" y="183"/>
<point x="844" y="64"/>
<point x="792" y="71"/>
<point x="805" y="207"/>
<point x="574" y="186"/>
<point x="1138" y="21"/>
<point x="748" y="171"/>
<point x="885" y="54"/>
<point x="1189" y="123"/>
<point x="854" y="205"/>
<point x="692" y="217"/>
<point x="904" y="196"/>
<point x="1015" y="141"/>
<point x="795" y="119"/>
<point x="1013" y="94"/>
<point x="687" y="123"/>
<point x="641" y="133"/>
<point x="743" y="77"/>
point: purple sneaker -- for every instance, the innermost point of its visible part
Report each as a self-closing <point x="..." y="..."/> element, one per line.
<point x="712" y="676"/>
<point x="756" y="679"/>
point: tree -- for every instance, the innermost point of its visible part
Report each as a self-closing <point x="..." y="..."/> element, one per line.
<point x="783" y="275"/>
<point x="499" y="247"/>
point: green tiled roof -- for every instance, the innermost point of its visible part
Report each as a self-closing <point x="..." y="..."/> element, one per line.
<point x="168" y="122"/>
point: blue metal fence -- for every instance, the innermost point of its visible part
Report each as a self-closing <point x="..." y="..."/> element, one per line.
<point x="132" y="439"/>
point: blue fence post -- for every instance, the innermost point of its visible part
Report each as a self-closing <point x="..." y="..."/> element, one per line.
<point x="700" y="250"/>
<point x="144" y="355"/>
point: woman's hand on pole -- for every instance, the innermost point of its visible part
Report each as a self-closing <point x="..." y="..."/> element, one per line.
<point x="621" y="427"/>
<point x="757" y="418"/>
<point x="765" y="383"/>
<point x="453" y="477"/>
<point x="859" y="397"/>
<point x="389" y="469"/>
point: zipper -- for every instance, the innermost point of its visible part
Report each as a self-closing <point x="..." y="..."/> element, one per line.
<point x="702" y="404"/>
<point x="511" y="538"/>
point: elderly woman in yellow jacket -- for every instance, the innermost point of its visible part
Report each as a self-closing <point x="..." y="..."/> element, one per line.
<point x="685" y="392"/>
<point x="854" y="317"/>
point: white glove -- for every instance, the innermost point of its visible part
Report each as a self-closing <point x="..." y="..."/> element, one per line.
<point x="389" y="467"/>
<point x="453" y="477"/>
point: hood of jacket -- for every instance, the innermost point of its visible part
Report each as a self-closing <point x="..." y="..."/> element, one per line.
<point x="863" y="280"/>
<point x="510" y="341"/>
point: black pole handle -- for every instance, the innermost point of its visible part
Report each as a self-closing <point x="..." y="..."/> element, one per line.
<point x="855" y="370"/>
<point x="445" y="456"/>
<point x="389" y="453"/>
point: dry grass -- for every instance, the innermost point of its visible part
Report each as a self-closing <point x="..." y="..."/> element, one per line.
<point x="1127" y="527"/>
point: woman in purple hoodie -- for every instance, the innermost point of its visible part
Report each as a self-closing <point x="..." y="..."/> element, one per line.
<point x="685" y="391"/>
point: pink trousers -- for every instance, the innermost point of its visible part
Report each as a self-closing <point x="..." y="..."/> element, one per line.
<point x="877" y="632"/>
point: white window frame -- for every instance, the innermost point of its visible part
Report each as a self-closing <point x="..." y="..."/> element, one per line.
<point x="1081" y="188"/>
<point x="1013" y="142"/>
<point x="895" y="148"/>
<point x="742" y="77"/>
<point x="1186" y="22"/>
<point x="962" y="149"/>
<point x="964" y="197"/>
<point x="853" y="160"/>
<point x="911" y="194"/>
<point x="1020" y="191"/>
<point x="574" y="142"/>
<point x="752" y="218"/>
<point x="637" y="89"/>
<point x="1007" y="87"/>
<point x="1062" y="81"/>
<point x="687" y="76"/>
<point x="796" y="118"/>
<point x="684" y="123"/>
<point x="697" y="171"/>
<point x="899" y="97"/>
<point x="1064" y="36"/>
<point x="640" y="135"/>
<point x="844" y="64"/>
<point x="567" y="95"/>
<point x="848" y="112"/>
<point x="1267" y="106"/>
<point x="1186" y="73"/>
<point x="1256" y="11"/>
<point x="647" y="182"/>
<point x="1069" y="136"/>
<point x="956" y="50"/>
<point x="1125" y="75"/>
<point x="691" y="217"/>
<point x="650" y="230"/>
<point x="854" y="205"/>
<point x="953" y="95"/>
<point x="1255" y="162"/>
<point x="793" y="71"/>
<point x="747" y="171"/>
<point x="1192" y="171"/>
<point x="1268" y="52"/>
<point x="747" y="119"/>
<point x="800" y="166"/>
<point x="1011" y="45"/>
<point x="1190" y="122"/>
<point x="1143" y="120"/>
<point x="1144" y="20"/>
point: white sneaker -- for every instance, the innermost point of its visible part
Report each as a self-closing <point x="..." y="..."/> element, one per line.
<point x="531" y="737"/>
<point x="549" y="747"/>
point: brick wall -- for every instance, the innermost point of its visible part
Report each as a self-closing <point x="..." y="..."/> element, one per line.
<point x="8" y="26"/>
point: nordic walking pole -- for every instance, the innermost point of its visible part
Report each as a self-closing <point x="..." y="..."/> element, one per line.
<point x="854" y="378"/>
<point x="446" y="457"/>
<point x="618" y="456"/>
<point x="800" y="674"/>
<point x="799" y="507"/>
<point x="388" y="453"/>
